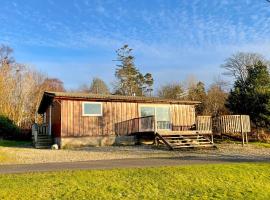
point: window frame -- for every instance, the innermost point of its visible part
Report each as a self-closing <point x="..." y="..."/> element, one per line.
<point x="92" y="115"/>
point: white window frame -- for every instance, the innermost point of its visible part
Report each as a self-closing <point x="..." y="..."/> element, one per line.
<point x="92" y="115"/>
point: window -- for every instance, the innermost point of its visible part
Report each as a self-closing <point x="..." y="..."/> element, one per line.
<point x="147" y="111"/>
<point x="92" y="109"/>
<point x="162" y="114"/>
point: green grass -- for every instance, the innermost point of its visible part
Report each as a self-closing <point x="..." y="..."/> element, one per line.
<point x="218" y="181"/>
<point x="3" y="157"/>
<point x="13" y="143"/>
<point x="261" y="144"/>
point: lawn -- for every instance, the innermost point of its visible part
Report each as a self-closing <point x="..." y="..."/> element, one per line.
<point x="13" y="143"/>
<point x="261" y="144"/>
<point x="4" y="157"/>
<point x="217" y="181"/>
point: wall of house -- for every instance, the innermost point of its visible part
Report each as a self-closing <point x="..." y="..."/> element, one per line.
<point x="73" y="124"/>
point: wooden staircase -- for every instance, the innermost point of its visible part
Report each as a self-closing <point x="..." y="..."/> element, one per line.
<point x="178" y="141"/>
<point x="43" y="141"/>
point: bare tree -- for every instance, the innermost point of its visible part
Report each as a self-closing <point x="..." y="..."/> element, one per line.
<point x="21" y="89"/>
<point x="215" y="100"/>
<point x="237" y="65"/>
<point x="170" y="91"/>
<point x="98" y="86"/>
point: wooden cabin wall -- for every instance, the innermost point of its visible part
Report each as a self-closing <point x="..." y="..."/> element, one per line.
<point x="74" y="124"/>
<point x="183" y="115"/>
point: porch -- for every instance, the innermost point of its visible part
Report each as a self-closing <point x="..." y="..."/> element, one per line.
<point x="167" y="134"/>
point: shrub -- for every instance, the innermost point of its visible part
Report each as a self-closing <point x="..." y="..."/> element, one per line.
<point x="8" y="129"/>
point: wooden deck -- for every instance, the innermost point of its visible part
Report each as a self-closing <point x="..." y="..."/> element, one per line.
<point x="203" y="126"/>
<point x="188" y="132"/>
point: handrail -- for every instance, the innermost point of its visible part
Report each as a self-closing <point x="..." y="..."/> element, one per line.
<point x="135" y="125"/>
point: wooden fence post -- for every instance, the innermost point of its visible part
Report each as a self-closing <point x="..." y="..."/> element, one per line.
<point x="243" y="136"/>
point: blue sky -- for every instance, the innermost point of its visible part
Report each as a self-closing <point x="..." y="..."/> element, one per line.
<point x="75" y="40"/>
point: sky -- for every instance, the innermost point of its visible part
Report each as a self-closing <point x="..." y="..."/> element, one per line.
<point x="75" y="40"/>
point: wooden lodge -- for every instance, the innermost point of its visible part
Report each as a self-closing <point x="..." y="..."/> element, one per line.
<point x="92" y="119"/>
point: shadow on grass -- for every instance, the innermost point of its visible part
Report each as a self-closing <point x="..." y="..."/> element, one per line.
<point x="13" y="143"/>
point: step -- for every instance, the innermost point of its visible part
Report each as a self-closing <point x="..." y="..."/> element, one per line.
<point x="193" y="145"/>
<point x="44" y="139"/>
<point x="42" y="147"/>
<point x="189" y="139"/>
<point x="182" y="137"/>
<point x="44" y="143"/>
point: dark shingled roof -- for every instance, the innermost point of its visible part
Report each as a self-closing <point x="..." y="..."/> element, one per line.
<point x="48" y="97"/>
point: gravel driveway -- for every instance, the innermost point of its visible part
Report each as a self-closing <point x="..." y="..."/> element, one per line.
<point x="28" y="155"/>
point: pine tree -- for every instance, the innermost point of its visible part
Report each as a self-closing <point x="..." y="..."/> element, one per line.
<point x="130" y="80"/>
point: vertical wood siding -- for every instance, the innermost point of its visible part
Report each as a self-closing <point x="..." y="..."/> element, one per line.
<point x="183" y="115"/>
<point x="74" y="124"/>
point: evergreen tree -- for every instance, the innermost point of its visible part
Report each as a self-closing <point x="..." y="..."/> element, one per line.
<point x="130" y="80"/>
<point x="252" y="96"/>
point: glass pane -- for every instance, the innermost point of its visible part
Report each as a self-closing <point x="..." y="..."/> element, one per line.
<point x="147" y="111"/>
<point x="163" y="113"/>
<point x="92" y="109"/>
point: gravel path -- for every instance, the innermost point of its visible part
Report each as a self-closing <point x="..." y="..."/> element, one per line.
<point x="111" y="164"/>
<point x="28" y="155"/>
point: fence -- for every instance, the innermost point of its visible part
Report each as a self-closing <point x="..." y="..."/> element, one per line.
<point x="230" y="124"/>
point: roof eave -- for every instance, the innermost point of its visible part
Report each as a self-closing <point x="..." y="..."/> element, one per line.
<point x="46" y="100"/>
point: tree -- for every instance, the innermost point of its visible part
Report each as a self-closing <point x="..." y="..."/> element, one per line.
<point x="149" y="81"/>
<point x="238" y="64"/>
<point x="130" y="80"/>
<point x="196" y="92"/>
<point x="21" y="89"/>
<point x="83" y="88"/>
<point x="170" y="91"/>
<point x="215" y="100"/>
<point x="53" y="84"/>
<point x="6" y="55"/>
<point x="252" y="96"/>
<point x="98" y="86"/>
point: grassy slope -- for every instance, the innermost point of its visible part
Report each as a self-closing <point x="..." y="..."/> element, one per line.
<point x="220" y="181"/>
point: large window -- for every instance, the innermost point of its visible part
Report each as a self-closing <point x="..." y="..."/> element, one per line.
<point x="162" y="114"/>
<point x="147" y="111"/>
<point x="92" y="109"/>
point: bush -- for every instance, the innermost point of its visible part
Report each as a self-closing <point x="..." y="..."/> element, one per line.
<point x="8" y="129"/>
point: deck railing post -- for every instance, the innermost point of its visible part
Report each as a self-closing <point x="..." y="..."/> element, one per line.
<point x="50" y="120"/>
<point x="155" y="124"/>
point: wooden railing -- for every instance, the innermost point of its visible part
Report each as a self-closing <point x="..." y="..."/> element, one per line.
<point x="43" y="129"/>
<point x="183" y="128"/>
<point x="228" y="124"/>
<point x="135" y="125"/>
<point x="204" y="124"/>
<point x="147" y="124"/>
<point x="40" y="129"/>
<point x="164" y="125"/>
